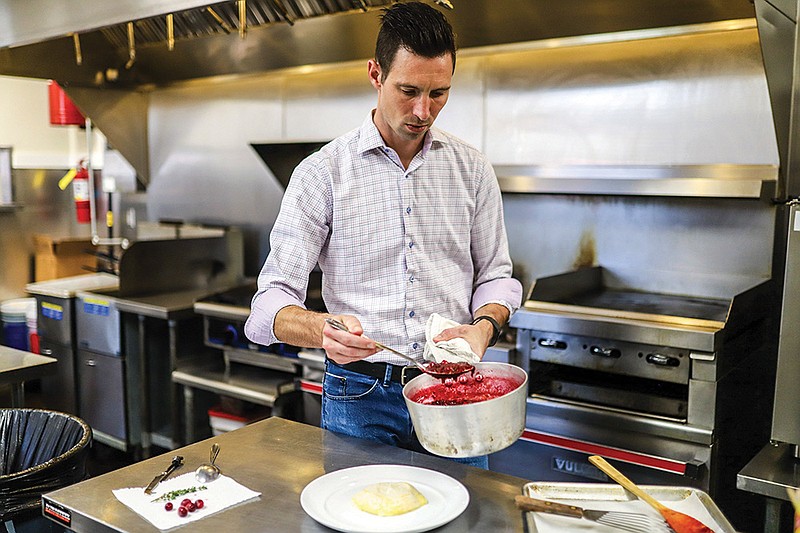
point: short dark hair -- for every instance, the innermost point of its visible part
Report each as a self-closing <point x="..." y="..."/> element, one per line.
<point x="417" y="27"/>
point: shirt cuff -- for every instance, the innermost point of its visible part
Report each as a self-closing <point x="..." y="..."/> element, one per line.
<point x="505" y="291"/>
<point x="260" y="325"/>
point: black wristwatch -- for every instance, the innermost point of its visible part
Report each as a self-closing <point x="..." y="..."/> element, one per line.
<point x="495" y="326"/>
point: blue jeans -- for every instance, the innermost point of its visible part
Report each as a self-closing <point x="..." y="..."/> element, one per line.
<point x="373" y="409"/>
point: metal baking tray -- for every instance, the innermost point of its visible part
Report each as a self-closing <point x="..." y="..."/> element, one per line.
<point x="585" y="494"/>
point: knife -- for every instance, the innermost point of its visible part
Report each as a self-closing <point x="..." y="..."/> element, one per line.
<point x="176" y="462"/>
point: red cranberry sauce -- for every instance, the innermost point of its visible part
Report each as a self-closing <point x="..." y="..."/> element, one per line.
<point x="466" y="389"/>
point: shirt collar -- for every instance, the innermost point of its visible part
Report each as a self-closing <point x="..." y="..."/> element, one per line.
<point x="370" y="138"/>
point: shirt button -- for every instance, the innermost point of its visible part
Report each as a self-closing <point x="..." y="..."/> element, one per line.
<point x="408" y="210"/>
<point x="411" y="279"/>
<point x="411" y="244"/>
<point x="415" y="346"/>
<point x="411" y="314"/>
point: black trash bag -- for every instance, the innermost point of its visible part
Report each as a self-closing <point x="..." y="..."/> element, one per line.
<point x="40" y="451"/>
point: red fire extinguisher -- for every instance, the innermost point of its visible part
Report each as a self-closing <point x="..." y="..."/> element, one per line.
<point x="80" y="191"/>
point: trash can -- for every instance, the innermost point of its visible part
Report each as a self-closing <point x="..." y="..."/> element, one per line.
<point x="40" y="451"/>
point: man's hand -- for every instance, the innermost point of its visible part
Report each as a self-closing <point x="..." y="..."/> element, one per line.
<point x="345" y="347"/>
<point x="477" y="336"/>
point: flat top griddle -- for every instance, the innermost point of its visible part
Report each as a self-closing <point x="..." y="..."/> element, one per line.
<point x="651" y="304"/>
<point x="238" y="298"/>
<point x="589" y="292"/>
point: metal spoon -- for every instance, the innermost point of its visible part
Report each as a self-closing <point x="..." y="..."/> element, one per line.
<point x="457" y="368"/>
<point x="208" y="472"/>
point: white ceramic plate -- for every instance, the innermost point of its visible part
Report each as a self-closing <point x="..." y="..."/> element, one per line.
<point x="328" y="499"/>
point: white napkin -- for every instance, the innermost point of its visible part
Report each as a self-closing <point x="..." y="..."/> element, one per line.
<point x="219" y="494"/>
<point x="455" y="350"/>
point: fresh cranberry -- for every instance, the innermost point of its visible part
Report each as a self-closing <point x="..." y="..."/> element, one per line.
<point x="191" y="507"/>
<point x="199" y="504"/>
<point x="185" y="502"/>
<point x="463" y="379"/>
<point x="182" y="511"/>
<point x="168" y="506"/>
<point x="478" y="377"/>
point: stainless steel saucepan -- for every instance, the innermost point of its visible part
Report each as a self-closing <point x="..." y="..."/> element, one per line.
<point x="471" y="429"/>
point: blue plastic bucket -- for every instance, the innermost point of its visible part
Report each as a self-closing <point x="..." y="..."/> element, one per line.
<point x="15" y="335"/>
<point x="15" y="327"/>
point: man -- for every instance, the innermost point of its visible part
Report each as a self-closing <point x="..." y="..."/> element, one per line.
<point x="404" y="221"/>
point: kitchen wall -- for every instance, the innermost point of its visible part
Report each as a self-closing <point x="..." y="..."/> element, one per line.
<point x="675" y="100"/>
<point x="200" y="136"/>
<point x="688" y="99"/>
<point x="25" y="126"/>
<point x="41" y="155"/>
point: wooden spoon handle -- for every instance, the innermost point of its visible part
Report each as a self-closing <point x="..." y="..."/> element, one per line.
<point x="526" y="503"/>
<point x="620" y="478"/>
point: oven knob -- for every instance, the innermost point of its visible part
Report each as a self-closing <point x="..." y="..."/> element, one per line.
<point x="613" y="353"/>
<point x="662" y="360"/>
<point x="553" y="343"/>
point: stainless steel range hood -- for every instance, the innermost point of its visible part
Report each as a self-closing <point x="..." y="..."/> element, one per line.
<point x="109" y="57"/>
<point x="40" y="38"/>
<point x="281" y="158"/>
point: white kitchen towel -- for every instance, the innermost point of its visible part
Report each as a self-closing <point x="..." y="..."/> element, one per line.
<point x="455" y="350"/>
<point x="217" y="496"/>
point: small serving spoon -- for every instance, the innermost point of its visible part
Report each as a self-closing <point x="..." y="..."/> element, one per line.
<point x="448" y="370"/>
<point x="208" y="472"/>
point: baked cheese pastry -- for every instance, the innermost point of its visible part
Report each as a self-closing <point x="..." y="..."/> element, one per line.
<point x="389" y="498"/>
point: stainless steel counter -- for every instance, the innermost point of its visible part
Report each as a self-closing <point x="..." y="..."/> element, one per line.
<point x="17" y="367"/>
<point x="69" y="286"/>
<point x="143" y="358"/>
<point x="166" y="306"/>
<point x="770" y="473"/>
<point x="278" y="458"/>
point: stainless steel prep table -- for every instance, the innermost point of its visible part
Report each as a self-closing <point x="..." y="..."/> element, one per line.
<point x="166" y="306"/>
<point x="171" y="307"/>
<point x="17" y="367"/>
<point x="55" y="313"/>
<point x="773" y="470"/>
<point x="278" y="458"/>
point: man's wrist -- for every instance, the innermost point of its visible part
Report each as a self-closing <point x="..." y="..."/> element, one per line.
<point x="495" y="327"/>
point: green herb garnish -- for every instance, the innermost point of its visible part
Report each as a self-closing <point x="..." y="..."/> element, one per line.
<point x="178" y="493"/>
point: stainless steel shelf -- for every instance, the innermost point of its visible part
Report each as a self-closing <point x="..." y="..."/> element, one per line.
<point x="108" y="440"/>
<point x="706" y="181"/>
<point x="226" y="311"/>
<point x="162" y="438"/>
<point x="259" y="359"/>
<point x="314" y="359"/>
<point x="771" y="472"/>
<point x="256" y="385"/>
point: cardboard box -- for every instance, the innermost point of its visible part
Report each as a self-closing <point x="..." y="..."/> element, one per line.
<point x="59" y="257"/>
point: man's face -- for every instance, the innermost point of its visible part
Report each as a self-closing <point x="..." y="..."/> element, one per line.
<point x="411" y="96"/>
